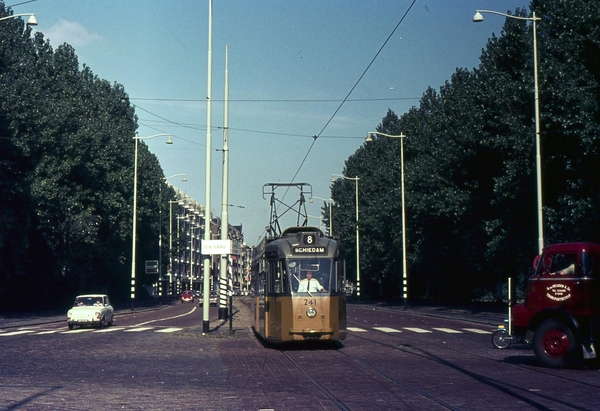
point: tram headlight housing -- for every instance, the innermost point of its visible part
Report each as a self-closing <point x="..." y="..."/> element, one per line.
<point x="311" y="312"/>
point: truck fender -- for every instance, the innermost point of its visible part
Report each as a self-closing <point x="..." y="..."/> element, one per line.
<point x="559" y="315"/>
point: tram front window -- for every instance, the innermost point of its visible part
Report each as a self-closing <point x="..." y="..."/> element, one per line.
<point x="310" y="276"/>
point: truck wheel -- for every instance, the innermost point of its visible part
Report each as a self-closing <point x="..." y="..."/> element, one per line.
<point x="554" y="344"/>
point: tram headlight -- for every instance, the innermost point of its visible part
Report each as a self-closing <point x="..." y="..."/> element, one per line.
<point x="311" y="312"/>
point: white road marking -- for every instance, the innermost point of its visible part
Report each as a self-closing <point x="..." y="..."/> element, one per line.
<point x="16" y="333"/>
<point x="111" y="329"/>
<point x="169" y="330"/>
<point x="477" y="331"/>
<point x="78" y="330"/>
<point x="168" y="318"/>
<point x="138" y="329"/>
<point x="387" y="329"/>
<point x="448" y="330"/>
<point x="357" y="330"/>
<point x="417" y="330"/>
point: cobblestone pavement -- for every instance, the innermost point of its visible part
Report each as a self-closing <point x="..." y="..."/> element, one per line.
<point x="226" y="369"/>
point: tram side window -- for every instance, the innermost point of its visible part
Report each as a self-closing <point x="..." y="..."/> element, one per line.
<point x="340" y="276"/>
<point x="278" y="277"/>
<point x="258" y="283"/>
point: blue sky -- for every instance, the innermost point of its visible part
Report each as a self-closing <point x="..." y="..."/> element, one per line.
<point x="291" y="63"/>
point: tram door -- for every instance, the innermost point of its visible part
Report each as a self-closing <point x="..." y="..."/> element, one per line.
<point x="274" y="285"/>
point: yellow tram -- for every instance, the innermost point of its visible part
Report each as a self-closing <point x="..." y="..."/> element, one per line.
<point x="298" y="282"/>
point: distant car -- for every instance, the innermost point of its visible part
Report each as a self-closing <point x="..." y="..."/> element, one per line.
<point x="187" y="296"/>
<point x="91" y="309"/>
<point x="213" y="298"/>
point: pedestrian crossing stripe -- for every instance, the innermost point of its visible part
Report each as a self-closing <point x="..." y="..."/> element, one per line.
<point x="477" y="331"/>
<point x="448" y="330"/>
<point x="417" y="330"/>
<point x="169" y="330"/>
<point x="138" y="329"/>
<point x="77" y="331"/>
<point x="111" y="329"/>
<point x="387" y="329"/>
<point x="16" y="333"/>
<point x="357" y="330"/>
<point x="165" y="330"/>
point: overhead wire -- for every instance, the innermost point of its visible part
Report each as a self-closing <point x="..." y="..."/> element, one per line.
<point x="316" y="136"/>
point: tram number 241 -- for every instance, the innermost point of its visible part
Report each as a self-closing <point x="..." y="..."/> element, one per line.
<point x="310" y="302"/>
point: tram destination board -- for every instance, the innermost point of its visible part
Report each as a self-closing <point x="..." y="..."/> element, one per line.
<point x="309" y="250"/>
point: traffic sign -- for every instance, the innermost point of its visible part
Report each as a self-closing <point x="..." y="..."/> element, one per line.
<point x="210" y="247"/>
<point x="151" y="266"/>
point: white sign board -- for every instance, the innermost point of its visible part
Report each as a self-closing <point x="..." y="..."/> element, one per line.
<point x="210" y="247"/>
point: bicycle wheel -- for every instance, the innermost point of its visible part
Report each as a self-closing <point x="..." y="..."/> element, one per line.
<point x="501" y="339"/>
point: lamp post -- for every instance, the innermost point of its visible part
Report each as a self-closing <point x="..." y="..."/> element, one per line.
<point x="404" y="269"/>
<point x="184" y="179"/>
<point x="355" y="179"/>
<point x="225" y="197"/>
<point x="208" y="218"/>
<point x="538" y="158"/>
<point x="171" y="202"/>
<point x="320" y="217"/>
<point x="133" y="238"/>
<point x="31" y="21"/>
<point x="330" y="203"/>
<point x="192" y="246"/>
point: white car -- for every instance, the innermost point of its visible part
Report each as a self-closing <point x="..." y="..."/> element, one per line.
<point x="91" y="309"/>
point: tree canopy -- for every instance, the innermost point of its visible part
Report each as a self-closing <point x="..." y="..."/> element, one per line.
<point x="469" y="164"/>
<point x="66" y="162"/>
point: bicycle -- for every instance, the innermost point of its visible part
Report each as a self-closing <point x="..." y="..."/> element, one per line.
<point x="501" y="338"/>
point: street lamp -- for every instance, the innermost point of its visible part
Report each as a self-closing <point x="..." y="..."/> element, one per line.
<point x="478" y="17"/>
<point x="330" y="204"/>
<point x="184" y="179"/>
<point x="171" y="202"/>
<point x="133" y="239"/>
<point x="31" y="21"/>
<point x="357" y="232"/>
<point x="208" y="218"/>
<point x="404" y="269"/>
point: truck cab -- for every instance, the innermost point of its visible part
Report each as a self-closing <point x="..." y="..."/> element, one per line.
<point x="561" y="312"/>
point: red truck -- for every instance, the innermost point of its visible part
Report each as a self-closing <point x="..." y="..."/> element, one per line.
<point x="561" y="313"/>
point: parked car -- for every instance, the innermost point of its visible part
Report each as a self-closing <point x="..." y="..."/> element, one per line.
<point x="91" y="309"/>
<point x="187" y="296"/>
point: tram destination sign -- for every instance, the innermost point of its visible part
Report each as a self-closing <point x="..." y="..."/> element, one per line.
<point x="309" y="250"/>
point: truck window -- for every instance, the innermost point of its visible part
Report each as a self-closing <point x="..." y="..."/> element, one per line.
<point x="590" y="266"/>
<point x="560" y="264"/>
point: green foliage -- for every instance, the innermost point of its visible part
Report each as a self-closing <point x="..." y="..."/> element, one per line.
<point x="66" y="156"/>
<point x="469" y="165"/>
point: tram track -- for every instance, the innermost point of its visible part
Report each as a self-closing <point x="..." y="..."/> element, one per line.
<point x="539" y="370"/>
<point x="341" y="375"/>
<point x="340" y="404"/>
<point x="509" y="387"/>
